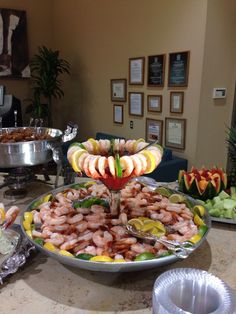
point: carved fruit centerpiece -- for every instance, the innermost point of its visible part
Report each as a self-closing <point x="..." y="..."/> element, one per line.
<point x="114" y="162"/>
<point x="202" y="183"/>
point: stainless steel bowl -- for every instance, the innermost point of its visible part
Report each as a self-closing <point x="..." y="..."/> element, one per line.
<point x="28" y="153"/>
<point x="110" y="267"/>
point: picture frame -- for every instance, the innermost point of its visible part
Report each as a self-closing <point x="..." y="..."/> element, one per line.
<point x="156" y="70"/>
<point x="118" y="89"/>
<point x="176" y="102"/>
<point x="136" y="103"/>
<point x="178" y="69"/>
<point x="154" y="103"/>
<point x="175" y="133"/>
<point x="118" y="114"/>
<point x="2" y="93"/>
<point x="136" y="71"/>
<point x="14" y="61"/>
<point x="154" y="130"/>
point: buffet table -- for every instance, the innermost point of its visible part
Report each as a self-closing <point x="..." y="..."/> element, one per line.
<point x="43" y="285"/>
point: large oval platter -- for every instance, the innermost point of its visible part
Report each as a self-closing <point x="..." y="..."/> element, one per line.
<point x="108" y="266"/>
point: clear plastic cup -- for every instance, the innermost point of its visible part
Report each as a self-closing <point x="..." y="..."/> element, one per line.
<point x="188" y="290"/>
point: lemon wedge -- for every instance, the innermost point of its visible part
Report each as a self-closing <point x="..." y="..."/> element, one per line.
<point x="196" y="238"/>
<point x="95" y="145"/>
<point x="2" y="214"/>
<point x="136" y="222"/>
<point x="176" y="198"/>
<point x="49" y="246"/>
<point x="199" y="209"/>
<point x="198" y="221"/>
<point x="151" y="161"/>
<point x="101" y="258"/>
<point x="65" y="253"/>
<point x="75" y="157"/>
<point x="28" y="216"/>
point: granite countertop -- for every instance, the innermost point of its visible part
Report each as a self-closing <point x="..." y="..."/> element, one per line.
<point x="45" y="286"/>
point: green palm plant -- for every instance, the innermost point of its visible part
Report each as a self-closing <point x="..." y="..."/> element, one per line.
<point x="46" y="68"/>
<point x="231" y="141"/>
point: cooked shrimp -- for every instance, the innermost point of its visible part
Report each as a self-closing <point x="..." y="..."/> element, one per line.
<point x="102" y="164"/>
<point x="75" y="219"/>
<point x="82" y="226"/>
<point x="68" y="245"/>
<point x="56" y="239"/>
<point x="93" y="164"/>
<point x="111" y="164"/>
<point x="102" y="238"/>
<point x="56" y="221"/>
<point x="127" y="165"/>
<point x="138" y="166"/>
<point x="11" y="215"/>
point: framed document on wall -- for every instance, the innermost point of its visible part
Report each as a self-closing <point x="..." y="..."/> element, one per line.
<point x="178" y="69"/>
<point x="175" y="130"/>
<point x="118" y="114"/>
<point x="136" y="71"/>
<point x="135" y="104"/>
<point x="118" y="89"/>
<point x="154" y="130"/>
<point x="154" y="103"/>
<point x="176" y="102"/>
<point x="156" y="70"/>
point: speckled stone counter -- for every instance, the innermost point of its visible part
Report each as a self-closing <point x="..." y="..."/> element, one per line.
<point x="45" y="286"/>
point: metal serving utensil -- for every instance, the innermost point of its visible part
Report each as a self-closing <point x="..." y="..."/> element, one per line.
<point x="179" y="249"/>
<point x="145" y="147"/>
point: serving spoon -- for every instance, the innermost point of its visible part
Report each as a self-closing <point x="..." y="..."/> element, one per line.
<point x="179" y="249"/>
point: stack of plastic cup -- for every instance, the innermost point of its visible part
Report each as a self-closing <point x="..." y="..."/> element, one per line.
<point x="188" y="290"/>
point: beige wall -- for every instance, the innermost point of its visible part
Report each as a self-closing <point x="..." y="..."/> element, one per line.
<point x="99" y="37"/>
<point x="39" y="27"/>
<point x="219" y="70"/>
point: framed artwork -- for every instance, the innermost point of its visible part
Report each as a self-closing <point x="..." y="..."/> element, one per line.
<point x="14" y="57"/>
<point x="178" y="69"/>
<point x="175" y="131"/>
<point x="154" y="103"/>
<point x="176" y="102"/>
<point x="118" y="89"/>
<point x="135" y="104"/>
<point x="136" y="71"/>
<point x="118" y="114"/>
<point x="156" y="70"/>
<point x="154" y="130"/>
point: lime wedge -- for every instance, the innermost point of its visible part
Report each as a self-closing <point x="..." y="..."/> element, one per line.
<point x="164" y="191"/>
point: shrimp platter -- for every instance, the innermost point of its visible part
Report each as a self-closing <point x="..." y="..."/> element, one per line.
<point x="75" y="223"/>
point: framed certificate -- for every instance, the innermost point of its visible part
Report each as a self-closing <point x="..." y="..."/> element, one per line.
<point x="135" y="104"/>
<point x="176" y="102"/>
<point x="136" y="71"/>
<point x="118" y="114"/>
<point x="156" y="70"/>
<point x="178" y="69"/>
<point x="154" y="103"/>
<point x="118" y="89"/>
<point x="154" y="130"/>
<point x="175" y="130"/>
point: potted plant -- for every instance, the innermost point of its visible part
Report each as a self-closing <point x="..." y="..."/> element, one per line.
<point x="46" y="67"/>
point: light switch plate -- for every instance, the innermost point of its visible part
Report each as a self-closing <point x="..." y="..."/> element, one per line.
<point x="219" y="92"/>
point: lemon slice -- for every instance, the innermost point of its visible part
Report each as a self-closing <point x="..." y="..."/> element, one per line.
<point x="156" y="232"/>
<point x="65" y="253"/>
<point x="49" y="246"/>
<point x="198" y="221"/>
<point x="28" y="216"/>
<point x="199" y="209"/>
<point x="151" y="161"/>
<point x="2" y="214"/>
<point x="75" y="157"/>
<point x="95" y="145"/>
<point x="176" y="198"/>
<point x="119" y="260"/>
<point x="196" y="238"/>
<point x="136" y="222"/>
<point x="101" y="258"/>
